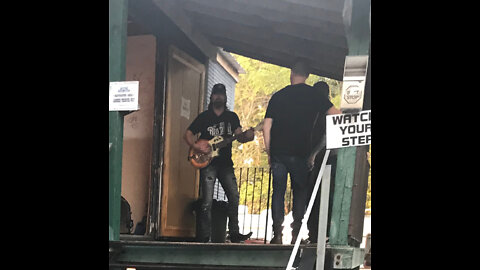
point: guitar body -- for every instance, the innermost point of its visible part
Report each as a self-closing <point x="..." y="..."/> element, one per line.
<point x="200" y="160"/>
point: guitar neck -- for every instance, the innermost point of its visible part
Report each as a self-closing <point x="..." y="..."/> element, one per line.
<point x="233" y="138"/>
<point x="225" y="142"/>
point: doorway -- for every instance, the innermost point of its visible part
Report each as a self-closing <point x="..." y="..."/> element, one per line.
<point x="180" y="180"/>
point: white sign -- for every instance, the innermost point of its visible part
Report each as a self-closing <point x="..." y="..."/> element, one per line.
<point x="352" y="94"/>
<point x="353" y="87"/>
<point x="345" y="130"/>
<point x="185" y="109"/>
<point x="123" y="96"/>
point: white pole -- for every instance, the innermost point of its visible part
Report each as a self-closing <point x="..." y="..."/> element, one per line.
<point x="307" y="213"/>
<point x="323" y="218"/>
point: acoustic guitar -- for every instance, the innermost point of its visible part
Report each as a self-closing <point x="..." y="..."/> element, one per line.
<point x="201" y="160"/>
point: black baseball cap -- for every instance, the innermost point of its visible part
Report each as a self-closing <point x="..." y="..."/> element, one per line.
<point x="219" y="88"/>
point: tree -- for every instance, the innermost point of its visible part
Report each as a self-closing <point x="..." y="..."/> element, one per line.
<point x="368" y="204"/>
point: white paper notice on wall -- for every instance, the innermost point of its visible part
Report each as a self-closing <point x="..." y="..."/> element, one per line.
<point x="123" y="96"/>
<point x="185" y="109"/>
<point x="345" y="130"/>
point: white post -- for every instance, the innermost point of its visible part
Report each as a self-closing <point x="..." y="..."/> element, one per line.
<point x="323" y="218"/>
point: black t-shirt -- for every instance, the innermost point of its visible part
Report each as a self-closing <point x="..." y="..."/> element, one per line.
<point x="293" y="110"/>
<point x="210" y="125"/>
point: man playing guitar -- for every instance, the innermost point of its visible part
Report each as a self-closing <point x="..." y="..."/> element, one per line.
<point x="217" y="120"/>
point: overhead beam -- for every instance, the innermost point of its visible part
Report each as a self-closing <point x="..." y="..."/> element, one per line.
<point x="177" y="15"/>
<point x="324" y="31"/>
<point x="313" y="33"/>
<point x="257" y="36"/>
<point x="269" y="28"/>
<point x="209" y="9"/>
<point x="277" y="10"/>
<point x="258" y="48"/>
<point x="283" y="60"/>
<point x="331" y="5"/>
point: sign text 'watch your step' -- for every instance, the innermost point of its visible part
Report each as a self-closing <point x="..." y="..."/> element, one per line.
<point x="345" y="130"/>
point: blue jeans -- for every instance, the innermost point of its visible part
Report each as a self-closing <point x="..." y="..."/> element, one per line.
<point x="226" y="176"/>
<point x="297" y="167"/>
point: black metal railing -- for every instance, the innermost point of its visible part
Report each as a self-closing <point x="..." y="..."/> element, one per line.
<point x="255" y="188"/>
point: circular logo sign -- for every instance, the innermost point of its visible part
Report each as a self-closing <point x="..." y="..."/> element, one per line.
<point x="352" y="94"/>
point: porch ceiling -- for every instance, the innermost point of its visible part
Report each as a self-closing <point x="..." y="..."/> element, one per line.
<point x="273" y="31"/>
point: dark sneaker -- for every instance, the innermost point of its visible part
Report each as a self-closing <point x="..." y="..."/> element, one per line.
<point x="203" y="239"/>
<point x="277" y="239"/>
<point x="294" y="239"/>
<point x="311" y="240"/>
<point x="238" y="237"/>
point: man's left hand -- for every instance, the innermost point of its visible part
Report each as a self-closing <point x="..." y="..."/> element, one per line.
<point x="249" y="135"/>
<point x="310" y="162"/>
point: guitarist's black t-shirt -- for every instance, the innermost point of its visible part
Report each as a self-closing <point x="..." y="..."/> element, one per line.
<point x="293" y="110"/>
<point x="210" y="125"/>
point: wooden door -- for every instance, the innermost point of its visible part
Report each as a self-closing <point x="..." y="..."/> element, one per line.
<point x="180" y="181"/>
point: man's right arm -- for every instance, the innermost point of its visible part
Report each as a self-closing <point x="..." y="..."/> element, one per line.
<point x="267" y="126"/>
<point x="189" y="137"/>
<point x="201" y="145"/>
<point x="315" y="151"/>
<point x="270" y="114"/>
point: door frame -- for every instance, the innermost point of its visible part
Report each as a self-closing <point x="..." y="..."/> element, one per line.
<point x="164" y="53"/>
<point x="161" y="64"/>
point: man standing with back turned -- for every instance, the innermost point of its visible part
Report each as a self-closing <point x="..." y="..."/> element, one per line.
<point x="287" y="130"/>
